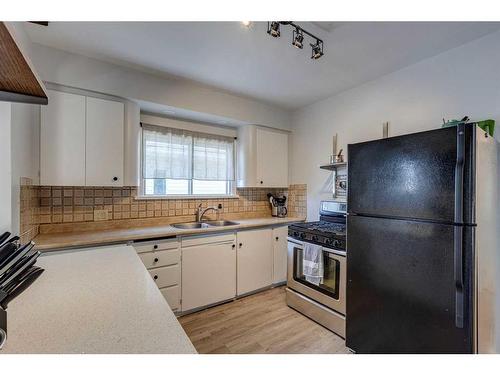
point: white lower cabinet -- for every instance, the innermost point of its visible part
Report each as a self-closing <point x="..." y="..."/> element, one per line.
<point x="173" y="296"/>
<point x="208" y="270"/>
<point x="166" y="276"/>
<point x="280" y="248"/>
<point x="197" y="271"/>
<point x="162" y="259"/>
<point x="254" y="260"/>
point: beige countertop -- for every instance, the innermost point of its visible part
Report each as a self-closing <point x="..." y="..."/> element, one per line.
<point x="55" y="241"/>
<point x="99" y="300"/>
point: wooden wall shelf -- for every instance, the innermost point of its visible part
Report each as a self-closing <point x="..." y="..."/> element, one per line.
<point x="333" y="166"/>
<point x="18" y="82"/>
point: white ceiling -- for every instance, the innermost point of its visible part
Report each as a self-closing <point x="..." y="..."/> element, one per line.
<point x="249" y="62"/>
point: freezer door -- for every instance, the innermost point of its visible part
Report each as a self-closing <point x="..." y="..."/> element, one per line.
<point x="411" y="176"/>
<point x="401" y="289"/>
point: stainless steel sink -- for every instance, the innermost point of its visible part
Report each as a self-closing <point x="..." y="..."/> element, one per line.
<point x="204" y="224"/>
<point x="192" y="225"/>
<point x="221" y="223"/>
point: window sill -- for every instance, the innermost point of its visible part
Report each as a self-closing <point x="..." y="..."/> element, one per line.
<point x="177" y="197"/>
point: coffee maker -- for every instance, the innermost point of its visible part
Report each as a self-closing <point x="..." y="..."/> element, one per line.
<point x="278" y="208"/>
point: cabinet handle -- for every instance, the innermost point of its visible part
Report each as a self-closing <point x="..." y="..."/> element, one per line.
<point x="277" y="238"/>
<point x="155" y="277"/>
<point x="115" y="178"/>
<point x="155" y="247"/>
<point x="261" y="182"/>
<point x="233" y="246"/>
<point x="240" y="244"/>
<point x="155" y="260"/>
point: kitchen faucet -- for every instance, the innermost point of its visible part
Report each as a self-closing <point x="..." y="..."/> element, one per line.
<point x="200" y="212"/>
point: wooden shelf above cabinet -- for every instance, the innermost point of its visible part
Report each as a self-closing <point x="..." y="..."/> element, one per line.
<point x="18" y="82"/>
<point x="333" y="166"/>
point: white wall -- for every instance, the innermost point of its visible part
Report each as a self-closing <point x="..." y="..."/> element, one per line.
<point x="459" y="82"/>
<point x="5" y="168"/>
<point x="25" y="151"/>
<point x="74" y="70"/>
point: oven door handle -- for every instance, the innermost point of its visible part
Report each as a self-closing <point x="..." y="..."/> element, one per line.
<point x="295" y="242"/>
<point x="334" y="252"/>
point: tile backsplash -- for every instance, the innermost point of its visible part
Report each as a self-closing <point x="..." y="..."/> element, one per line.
<point x="297" y="200"/>
<point x="79" y="204"/>
<point x="29" y="208"/>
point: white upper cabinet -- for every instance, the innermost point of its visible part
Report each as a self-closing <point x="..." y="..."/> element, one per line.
<point x="104" y="143"/>
<point x="81" y="141"/>
<point x="62" y="140"/>
<point x="272" y="158"/>
<point x="262" y="157"/>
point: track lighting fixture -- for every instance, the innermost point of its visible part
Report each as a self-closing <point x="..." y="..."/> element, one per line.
<point x="298" y="39"/>
<point x="317" y="50"/>
<point x="273" y="29"/>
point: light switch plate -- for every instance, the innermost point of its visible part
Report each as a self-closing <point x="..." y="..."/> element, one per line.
<point x="100" y="215"/>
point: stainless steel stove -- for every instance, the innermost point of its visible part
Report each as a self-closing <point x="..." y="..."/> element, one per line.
<point x="329" y="231"/>
<point x="325" y="302"/>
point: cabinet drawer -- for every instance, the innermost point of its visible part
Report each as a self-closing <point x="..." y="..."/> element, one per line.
<point x="166" y="276"/>
<point x="207" y="239"/>
<point x="145" y="247"/>
<point x="172" y="294"/>
<point x="160" y="258"/>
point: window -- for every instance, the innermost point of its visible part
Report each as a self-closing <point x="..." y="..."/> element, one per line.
<point x="181" y="162"/>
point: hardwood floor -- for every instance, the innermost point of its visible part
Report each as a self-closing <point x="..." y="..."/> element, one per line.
<point x="260" y="323"/>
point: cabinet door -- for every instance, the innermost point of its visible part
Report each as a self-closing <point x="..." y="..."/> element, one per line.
<point x="279" y="254"/>
<point x="104" y="143"/>
<point x="272" y="158"/>
<point x="254" y="260"/>
<point x="208" y="274"/>
<point x="62" y="140"/>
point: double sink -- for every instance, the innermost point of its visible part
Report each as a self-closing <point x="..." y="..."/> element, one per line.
<point x="204" y="224"/>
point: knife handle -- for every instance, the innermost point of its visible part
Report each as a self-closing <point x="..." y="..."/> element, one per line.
<point x="21" y="287"/>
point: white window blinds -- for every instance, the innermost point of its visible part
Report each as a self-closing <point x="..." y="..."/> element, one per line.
<point x="180" y="154"/>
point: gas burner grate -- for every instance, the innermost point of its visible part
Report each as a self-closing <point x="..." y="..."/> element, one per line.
<point x="324" y="226"/>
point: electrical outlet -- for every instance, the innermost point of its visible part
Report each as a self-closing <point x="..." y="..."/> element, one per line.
<point x="100" y="215"/>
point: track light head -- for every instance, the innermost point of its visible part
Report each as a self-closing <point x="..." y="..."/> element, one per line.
<point x="273" y="29"/>
<point x="298" y="39"/>
<point x="317" y="50"/>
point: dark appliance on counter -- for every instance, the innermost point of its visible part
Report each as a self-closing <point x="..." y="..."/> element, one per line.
<point x="17" y="273"/>
<point x="422" y="241"/>
<point x="278" y="208"/>
<point x="324" y="303"/>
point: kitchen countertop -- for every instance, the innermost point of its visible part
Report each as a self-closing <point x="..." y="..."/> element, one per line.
<point x="56" y="241"/>
<point x="99" y="300"/>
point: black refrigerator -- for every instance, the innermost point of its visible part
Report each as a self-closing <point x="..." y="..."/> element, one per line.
<point x="410" y="243"/>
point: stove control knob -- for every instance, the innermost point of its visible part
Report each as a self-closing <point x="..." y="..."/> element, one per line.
<point x="295" y="234"/>
<point x="328" y="241"/>
<point x="302" y="235"/>
<point x="336" y="243"/>
<point x="315" y="238"/>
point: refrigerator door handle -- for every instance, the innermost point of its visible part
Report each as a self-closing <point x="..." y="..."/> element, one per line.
<point x="459" y="283"/>
<point x="458" y="231"/>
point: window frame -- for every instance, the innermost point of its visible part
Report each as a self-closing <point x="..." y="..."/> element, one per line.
<point x="230" y="185"/>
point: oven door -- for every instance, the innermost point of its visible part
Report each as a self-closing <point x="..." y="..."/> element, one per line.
<point x="331" y="292"/>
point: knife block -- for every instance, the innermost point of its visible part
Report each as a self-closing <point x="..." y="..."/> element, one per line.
<point x="3" y="327"/>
